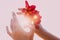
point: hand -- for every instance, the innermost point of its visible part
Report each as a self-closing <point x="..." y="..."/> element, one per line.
<point x="40" y="31"/>
<point x="44" y="34"/>
<point x="19" y="33"/>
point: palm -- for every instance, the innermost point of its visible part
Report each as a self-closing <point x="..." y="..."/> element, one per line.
<point x="19" y="33"/>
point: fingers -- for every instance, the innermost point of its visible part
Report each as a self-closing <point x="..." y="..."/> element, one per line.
<point x="15" y="19"/>
<point x="19" y="8"/>
<point x="19" y="13"/>
<point x="14" y="23"/>
<point x="11" y="25"/>
<point x="9" y="33"/>
<point x="14" y="16"/>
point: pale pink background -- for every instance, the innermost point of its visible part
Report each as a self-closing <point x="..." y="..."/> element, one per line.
<point x="49" y="10"/>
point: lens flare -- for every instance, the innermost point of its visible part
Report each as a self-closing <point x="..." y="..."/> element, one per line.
<point x="35" y="17"/>
<point x="23" y="22"/>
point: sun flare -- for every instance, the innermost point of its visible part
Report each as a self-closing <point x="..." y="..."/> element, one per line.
<point x="24" y="21"/>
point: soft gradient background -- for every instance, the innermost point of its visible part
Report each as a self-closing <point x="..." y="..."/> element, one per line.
<point x="49" y="10"/>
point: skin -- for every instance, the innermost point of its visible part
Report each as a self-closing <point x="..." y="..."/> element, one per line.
<point x="44" y="34"/>
<point x="18" y="33"/>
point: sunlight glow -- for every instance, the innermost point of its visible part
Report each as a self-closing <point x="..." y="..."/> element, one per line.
<point x="35" y="17"/>
<point x="24" y="22"/>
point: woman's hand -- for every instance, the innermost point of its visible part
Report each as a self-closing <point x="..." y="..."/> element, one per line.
<point x="17" y="32"/>
<point x="44" y="34"/>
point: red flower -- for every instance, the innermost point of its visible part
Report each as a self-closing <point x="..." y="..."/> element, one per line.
<point x="31" y="11"/>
